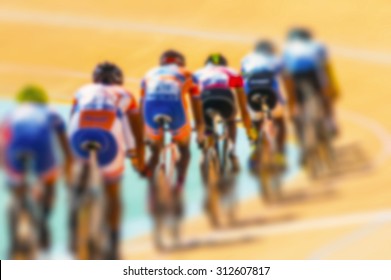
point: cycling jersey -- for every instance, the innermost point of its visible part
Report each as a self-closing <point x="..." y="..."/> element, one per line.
<point x="163" y="92"/>
<point x="301" y="56"/>
<point x="215" y="83"/>
<point x="99" y="115"/>
<point x="261" y="71"/>
<point x="212" y="76"/>
<point x="304" y="60"/>
<point x="29" y="131"/>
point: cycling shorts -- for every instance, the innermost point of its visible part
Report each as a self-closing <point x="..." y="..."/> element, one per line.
<point x="113" y="142"/>
<point x="220" y="100"/>
<point x="174" y="109"/>
<point x="41" y="159"/>
<point x="310" y="76"/>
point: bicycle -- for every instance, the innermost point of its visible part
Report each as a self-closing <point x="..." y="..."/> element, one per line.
<point x="264" y="164"/>
<point x="165" y="215"/>
<point x="89" y="230"/>
<point x="24" y="219"/>
<point x="318" y="152"/>
<point x="217" y="174"/>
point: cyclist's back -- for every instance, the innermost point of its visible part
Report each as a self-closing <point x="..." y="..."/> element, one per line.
<point x="302" y="56"/>
<point x="163" y="91"/>
<point x="304" y="60"/>
<point x="216" y="83"/>
<point x="99" y="114"/>
<point x="29" y="131"/>
<point x="261" y="69"/>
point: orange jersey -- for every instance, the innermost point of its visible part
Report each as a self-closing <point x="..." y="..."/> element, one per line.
<point x="169" y="82"/>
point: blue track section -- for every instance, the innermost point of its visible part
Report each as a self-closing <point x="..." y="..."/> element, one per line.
<point x="134" y="193"/>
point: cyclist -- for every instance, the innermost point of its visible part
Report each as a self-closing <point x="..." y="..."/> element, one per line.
<point x="262" y="70"/>
<point x="307" y="59"/>
<point x="106" y="113"/>
<point x="218" y="83"/>
<point x="163" y="92"/>
<point x="30" y="130"/>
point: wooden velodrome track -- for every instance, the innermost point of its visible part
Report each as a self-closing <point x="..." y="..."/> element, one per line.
<point x="56" y="43"/>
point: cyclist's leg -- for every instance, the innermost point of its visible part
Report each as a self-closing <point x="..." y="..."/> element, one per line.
<point x="17" y="189"/>
<point x="183" y="143"/>
<point x="48" y="173"/>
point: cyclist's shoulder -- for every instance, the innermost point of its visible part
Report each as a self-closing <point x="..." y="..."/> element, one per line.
<point x="153" y="71"/>
<point x="86" y="89"/>
<point x="33" y="113"/>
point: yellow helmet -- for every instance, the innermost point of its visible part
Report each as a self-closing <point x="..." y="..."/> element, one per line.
<point x="32" y="94"/>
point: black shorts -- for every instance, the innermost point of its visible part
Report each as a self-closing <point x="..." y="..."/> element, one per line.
<point x="312" y="78"/>
<point x="221" y="101"/>
<point x="261" y="88"/>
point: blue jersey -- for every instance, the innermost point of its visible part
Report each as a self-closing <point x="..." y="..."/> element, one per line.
<point x="32" y="122"/>
<point x="262" y="70"/>
<point x="29" y="129"/>
<point x="301" y="56"/>
<point x="256" y="63"/>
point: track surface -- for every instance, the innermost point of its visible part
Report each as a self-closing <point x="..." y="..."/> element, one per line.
<point x="57" y="44"/>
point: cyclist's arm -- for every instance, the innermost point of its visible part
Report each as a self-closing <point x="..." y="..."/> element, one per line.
<point x="332" y="86"/>
<point x="136" y="122"/>
<point x="196" y="106"/>
<point x="2" y="144"/>
<point x="236" y="82"/>
<point x="135" y="118"/>
<point x="59" y="127"/>
<point x="287" y="84"/>
<point x="242" y="101"/>
<point x="66" y="150"/>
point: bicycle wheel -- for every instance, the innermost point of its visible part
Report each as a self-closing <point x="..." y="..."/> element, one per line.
<point x="162" y="202"/>
<point x="227" y="183"/>
<point x="211" y="171"/>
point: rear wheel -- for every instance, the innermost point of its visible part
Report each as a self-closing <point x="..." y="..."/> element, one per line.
<point x="267" y="172"/>
<point x="211" y="171"/>
<point x="165" y="206"/>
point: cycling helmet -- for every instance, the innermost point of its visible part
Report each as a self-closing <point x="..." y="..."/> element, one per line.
<point x="32" y="94"/>
<point x="108" y="73"/>
<point x="300" y="33"/>
<point x="216" y="59"/>
<point x="265" y="46"/>
<point x="172" y="57"/>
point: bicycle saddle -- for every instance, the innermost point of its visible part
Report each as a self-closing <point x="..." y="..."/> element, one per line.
<point x="91" y="145"/>
<point x="211" y="112"/>
<point x="162" y="119"/>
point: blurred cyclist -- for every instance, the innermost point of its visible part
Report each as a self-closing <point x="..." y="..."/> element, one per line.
<point x="219" y="84"/>
<point x="306" y="59"/>
<point x="28" y="131"/>
<point x="261" y="70"/>
<point x="163" y="92"/>
<point x="105" y="112"/>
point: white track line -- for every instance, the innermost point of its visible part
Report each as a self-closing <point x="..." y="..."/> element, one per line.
<point x="348" y="239"/>
<point x="279" y="229"/>
<point x="88" y="22"/>
<point x="50" y="71"/>
<point x="380" y="132"/>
